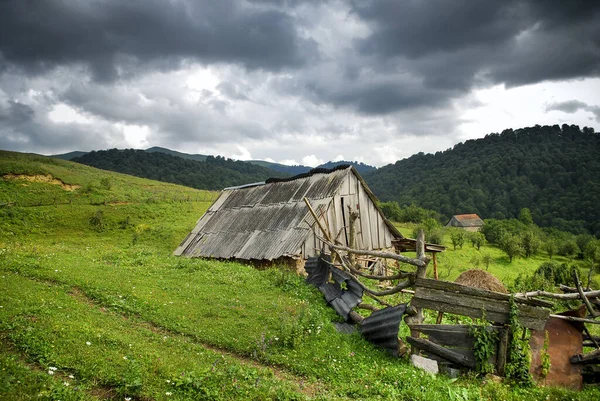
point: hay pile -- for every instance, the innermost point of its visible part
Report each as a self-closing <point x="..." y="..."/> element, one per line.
<point x="481" y="279"/>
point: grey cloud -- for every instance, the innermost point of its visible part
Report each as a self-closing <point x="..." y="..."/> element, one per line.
<point x="15" y="113"/>
<point x="573" y="106"/>
<point x="39" y="35"/>
<point x="452" y="47"/>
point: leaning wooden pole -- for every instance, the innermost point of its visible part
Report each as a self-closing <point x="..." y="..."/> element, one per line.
<point x="318" y="221"/>
<point x="420" y="273"/>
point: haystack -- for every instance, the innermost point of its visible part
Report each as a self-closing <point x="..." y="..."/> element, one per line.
<point x="481" y="279"/>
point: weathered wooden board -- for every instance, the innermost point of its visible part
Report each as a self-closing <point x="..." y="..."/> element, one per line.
<point x="478" y="292"/>
<point x="449" y="335"/>
<point x="474" y="306"/>
<point x="447" y="354"/>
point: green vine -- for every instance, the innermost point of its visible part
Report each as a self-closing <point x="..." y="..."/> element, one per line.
<point x="545" y="356"/>
<point x="519" y="351"/>
<point x="486" y="343"/>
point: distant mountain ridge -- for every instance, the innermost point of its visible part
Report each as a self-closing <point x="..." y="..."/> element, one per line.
<point x="214" y="173"/>
<point x="278" y="167"/>
<point x="552" y="170"/>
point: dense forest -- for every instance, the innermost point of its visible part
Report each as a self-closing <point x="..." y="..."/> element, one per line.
<point x="213" y="173"/>
<point x="551" y="170"/>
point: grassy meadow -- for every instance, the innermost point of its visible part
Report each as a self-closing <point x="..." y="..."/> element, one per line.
<point x="93" y="306"/>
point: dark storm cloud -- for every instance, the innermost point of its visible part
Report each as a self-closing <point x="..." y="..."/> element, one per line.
<point x="573" y="106"/>
<point x="455" y="46"/>
<point x="103" y="35"/>
<point x="15" y="113"/>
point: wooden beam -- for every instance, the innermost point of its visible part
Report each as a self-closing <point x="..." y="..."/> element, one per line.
<point x="539" y="293"/>
<point x="502" y="354"/>
<point x="576" y="319"/>
<point x="440" y="351"/>
<point x="495" y="310"/>
<point x="478" y="292"/>
<point x="592" y="357"/>
<point x="379" y="254"/>
<point x="314" y="215"/>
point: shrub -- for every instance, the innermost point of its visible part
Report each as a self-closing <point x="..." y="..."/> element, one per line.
<point x="97" y="220"/>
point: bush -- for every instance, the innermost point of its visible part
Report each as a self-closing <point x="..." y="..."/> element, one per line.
<point x="97" y="220"/>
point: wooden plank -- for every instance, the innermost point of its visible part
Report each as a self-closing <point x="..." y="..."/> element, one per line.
<point x="501" y="355"/>
<point x="438" y="350"/>
<point x="449" y="335"/>
<point x="496" y="317"/>
<point x="592" y="357"/>
<point x="489" y="305"/>
<point x="364" y="218"/>
<point x="373" y="226"/>
<point x="463" y="289"/>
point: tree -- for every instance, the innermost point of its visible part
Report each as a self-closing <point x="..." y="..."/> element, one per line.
<point x="477" y="239"/>
<point x="582" y="241"/>
<point x="569" y="249"/>
<point x="457" y="236"/>
<point x="511" y="245"/>
<point x="551" y="247"/>
<point x="391" y="210"/>
<point x="525" y="216"/>
<point x="591" y="253"/>
<point x="530" y="243"/>
<point x="487" y="260"/>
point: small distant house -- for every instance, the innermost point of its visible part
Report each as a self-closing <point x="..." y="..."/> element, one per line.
<point x="270" y="222"/>
<point x="468" y="222"/>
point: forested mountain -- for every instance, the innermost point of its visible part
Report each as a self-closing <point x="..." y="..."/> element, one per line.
<point x="158" y="149"/>
<point x="213" y="173"/>
<point x="70" y="155"/>
<point x="554" y="171"/>
<point x="300" y="169"/>
<point x="360" y="167"/>
<point x="282" y="168"/>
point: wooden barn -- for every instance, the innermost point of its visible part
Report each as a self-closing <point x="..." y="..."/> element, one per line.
<point x="468" y="222"/>
<point x="270" y="222"/>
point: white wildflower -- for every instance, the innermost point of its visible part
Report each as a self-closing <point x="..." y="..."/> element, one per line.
<point x="125" y="357"/>
<point x="127" y="398"/>
<point x="66" y="384"/>
<point x="168" y="393"/>
<point x="50" y="372"/>
<point x="71" y="377"/>
<point x="88" y="343"/>
<point x="51" y="368"/>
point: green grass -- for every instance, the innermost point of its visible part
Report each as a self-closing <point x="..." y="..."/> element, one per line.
<point x="451" y="263"/>
<point x="110" y="306"/>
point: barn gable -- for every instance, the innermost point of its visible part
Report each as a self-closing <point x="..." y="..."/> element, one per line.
<point x="268" y="221"/>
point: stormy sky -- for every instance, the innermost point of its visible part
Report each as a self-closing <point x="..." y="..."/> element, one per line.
<point x="292" y="81"/>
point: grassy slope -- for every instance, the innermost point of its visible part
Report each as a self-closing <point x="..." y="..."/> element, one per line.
<point x="112" y="308"/>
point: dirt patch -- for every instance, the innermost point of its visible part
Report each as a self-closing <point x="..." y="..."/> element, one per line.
<point x="48" y="179"/>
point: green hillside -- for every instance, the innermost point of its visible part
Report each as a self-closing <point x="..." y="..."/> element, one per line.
<point x="158" y="149"/>
<point x="554" y="171"/>
<point x="93" y="306"/>
<point x="214" y="173"/>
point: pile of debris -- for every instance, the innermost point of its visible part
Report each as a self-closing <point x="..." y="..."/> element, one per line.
<point x="559" y="337"/>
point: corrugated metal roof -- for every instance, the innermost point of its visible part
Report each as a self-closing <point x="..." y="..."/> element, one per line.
<point x="381" y="328"/>
<point x="262" y="222"/>
<point x="342" y="300"/>
<point x="317" y="270"/>
<point x="265" y="221"/>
